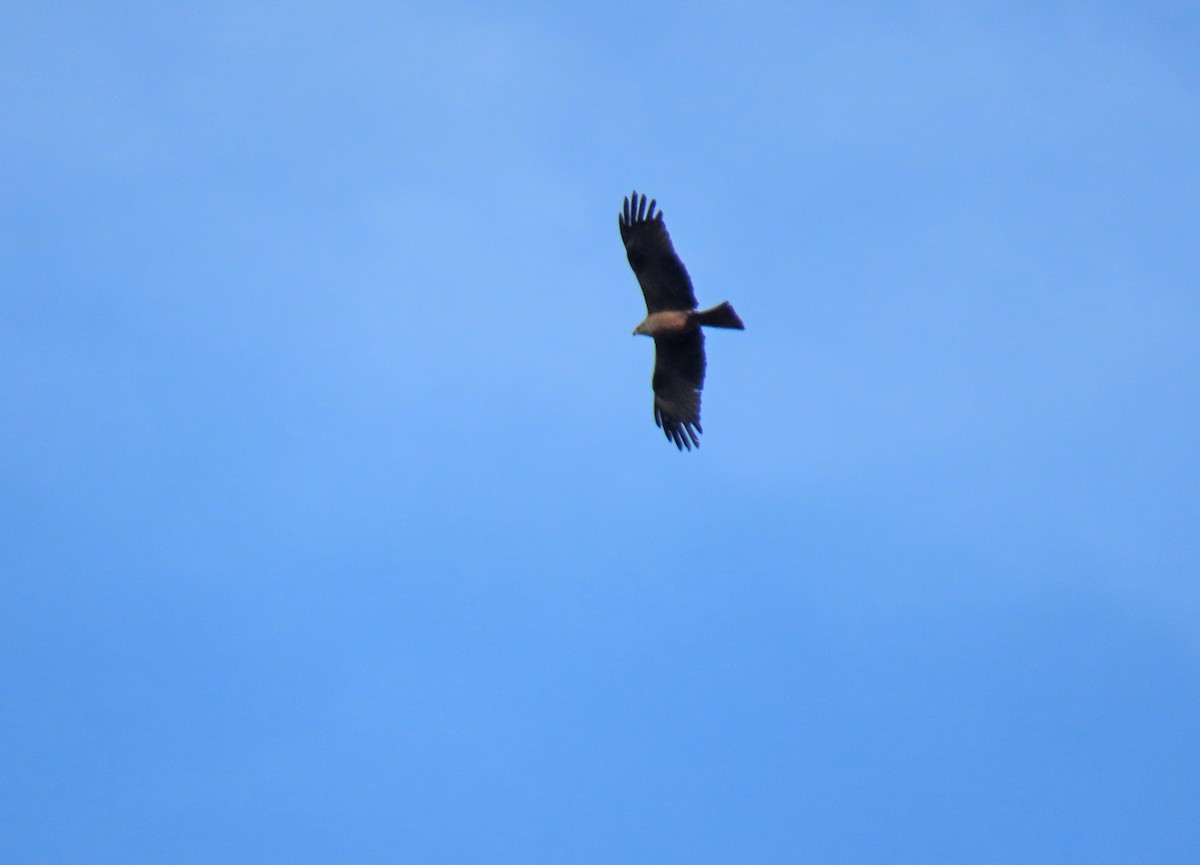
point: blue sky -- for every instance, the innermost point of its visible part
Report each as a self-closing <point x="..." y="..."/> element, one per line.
<point x="336" y="527"/>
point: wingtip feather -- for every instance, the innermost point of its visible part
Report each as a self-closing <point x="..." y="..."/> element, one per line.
<point x="637" y="207"/>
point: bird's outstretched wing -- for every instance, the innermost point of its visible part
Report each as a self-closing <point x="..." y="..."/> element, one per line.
<point x="678" y="377"/>
<point x="664" y="280"/>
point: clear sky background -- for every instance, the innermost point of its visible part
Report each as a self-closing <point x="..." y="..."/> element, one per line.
<point x="336" y="527"/>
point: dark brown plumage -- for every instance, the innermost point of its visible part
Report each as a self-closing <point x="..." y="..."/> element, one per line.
<point x="671" y="319"/>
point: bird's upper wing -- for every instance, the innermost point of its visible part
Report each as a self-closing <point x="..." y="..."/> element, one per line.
<point x="664" y="280"/>
<point x="678" y="378"/>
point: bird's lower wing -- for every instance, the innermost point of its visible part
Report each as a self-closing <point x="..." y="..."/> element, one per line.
<point x="678" y="378"/>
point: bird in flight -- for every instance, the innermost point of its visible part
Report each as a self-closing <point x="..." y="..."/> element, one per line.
<point x="671" y="319"/>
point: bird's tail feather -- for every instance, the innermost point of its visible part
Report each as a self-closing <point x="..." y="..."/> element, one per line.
<point x="721" y="315"/>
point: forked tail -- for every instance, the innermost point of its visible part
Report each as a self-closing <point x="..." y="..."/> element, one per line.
<point x="721" y="315"/>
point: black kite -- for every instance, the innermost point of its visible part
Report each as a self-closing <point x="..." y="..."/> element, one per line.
<point x="671" y="319"/>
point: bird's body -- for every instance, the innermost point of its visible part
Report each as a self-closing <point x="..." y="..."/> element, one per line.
<point x="671" y="319"/>
<point x="665" y="323"/>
